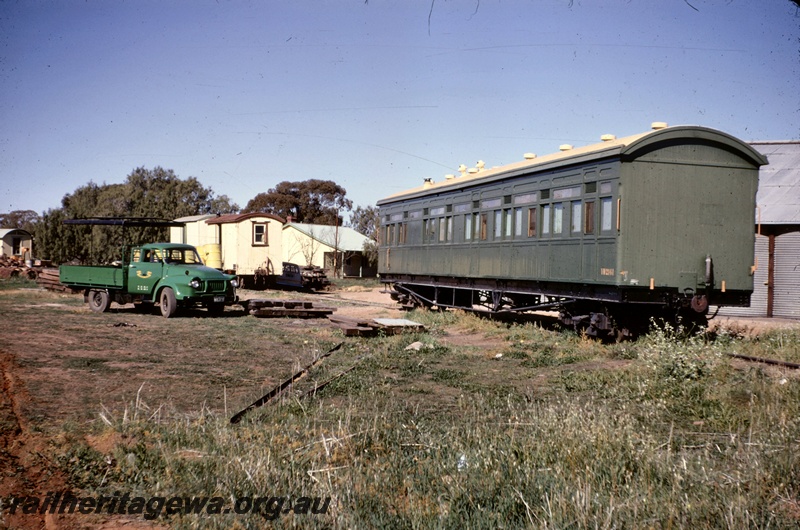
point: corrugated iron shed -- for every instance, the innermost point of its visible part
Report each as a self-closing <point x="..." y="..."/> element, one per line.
<point x="349" y="239"/>
<point x="778" y="196"/>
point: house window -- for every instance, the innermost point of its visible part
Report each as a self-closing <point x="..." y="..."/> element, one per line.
<point x="259" y="234"/>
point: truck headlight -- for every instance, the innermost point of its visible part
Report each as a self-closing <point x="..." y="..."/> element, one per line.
<point x="235" y="283"/>
<point x="195" y="283"/>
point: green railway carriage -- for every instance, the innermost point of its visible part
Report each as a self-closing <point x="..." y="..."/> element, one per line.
<point x="659" y="223"/>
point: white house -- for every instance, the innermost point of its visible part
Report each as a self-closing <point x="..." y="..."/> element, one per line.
<point x="247" y="244"/>
<point x="337" y="249"/>
<point x="15" y="242"/>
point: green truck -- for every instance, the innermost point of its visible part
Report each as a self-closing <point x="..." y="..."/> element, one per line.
<point x="167" y="275"/>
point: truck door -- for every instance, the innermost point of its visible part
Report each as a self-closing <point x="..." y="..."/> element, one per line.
<point x="144" y="271"/>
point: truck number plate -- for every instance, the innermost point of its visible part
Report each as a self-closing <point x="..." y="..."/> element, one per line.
<point x="219" y="298"/>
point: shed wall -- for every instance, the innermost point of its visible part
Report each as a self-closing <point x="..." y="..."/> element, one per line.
<point x="786" y="302"/>
<point x="758" y="300"/>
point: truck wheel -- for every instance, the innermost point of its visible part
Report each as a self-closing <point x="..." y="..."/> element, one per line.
<point x="99" y="301"/>
<point x="168" y="303"/>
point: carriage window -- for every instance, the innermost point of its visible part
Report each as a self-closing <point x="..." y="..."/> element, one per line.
<point x="508" y="224"/>
<point x="484" y="228"/>
<point x="588" y="225"/>
<point x="401" y="234"/>
<point x="498" y="224"/>
<point x="575" y="217"/>
<point x="606" y="214"/>
<point x="445" y="229"/>
<point x="558" y="217"/>
<point x="518" y="222"/>
<point x="468" y="227"/>
<point x="545" y="219"/>
<point x="532" y="222"/>
<point x="525" y="198"/>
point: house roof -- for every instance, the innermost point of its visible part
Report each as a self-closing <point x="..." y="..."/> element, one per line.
<point x="239" y="217"/>
<point x="194" y="218"/>
<point x="349" y="239"/>
<point x="778" y="195"/>
<point x="5" y="231"/>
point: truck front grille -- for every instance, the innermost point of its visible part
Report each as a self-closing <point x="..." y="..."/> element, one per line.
<point x="215" y="285"/>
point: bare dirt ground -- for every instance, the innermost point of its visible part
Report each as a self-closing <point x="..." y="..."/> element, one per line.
<point x="62" y="365"/>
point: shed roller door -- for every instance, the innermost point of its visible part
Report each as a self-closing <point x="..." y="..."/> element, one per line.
<point x="786" y="302"/>
<point x="758" y="300"/>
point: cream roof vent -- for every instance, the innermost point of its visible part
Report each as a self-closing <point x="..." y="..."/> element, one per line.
<point x="565" y="147"/>
<point x="529" y="156"/>
<point x="658" y="125"/>
<point x="428" y="183"/>
<point x="608" y="137"/>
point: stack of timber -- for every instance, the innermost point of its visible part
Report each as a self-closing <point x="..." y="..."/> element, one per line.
<point x="369" y="327"/>
<point x="287" y="308"/>
<point x="14" y="267"/>
<point x="48" y="278"/>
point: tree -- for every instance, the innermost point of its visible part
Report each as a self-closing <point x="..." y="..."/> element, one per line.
<point x="366" y="220"/>
<point x="154" y="192"/>
<point x="308" y="201"/>
<point x="22" y="219"/>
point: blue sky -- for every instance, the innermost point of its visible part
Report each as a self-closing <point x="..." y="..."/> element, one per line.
<point x="374" y="95"/>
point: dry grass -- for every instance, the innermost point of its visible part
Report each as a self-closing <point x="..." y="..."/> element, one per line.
<point x="558" y="431"/>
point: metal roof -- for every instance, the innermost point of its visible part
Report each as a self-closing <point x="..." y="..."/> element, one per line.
<point x="194" y="218"/>
<point x="239" y="217"/>
<point x="5" y="231"/>
<point x="349" y="239"/>
<point x="778" y="197"/>
<point x="628" y="147"/>
<point x="122" y="221"/>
